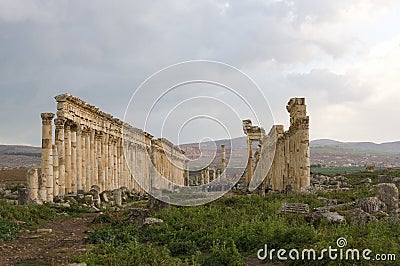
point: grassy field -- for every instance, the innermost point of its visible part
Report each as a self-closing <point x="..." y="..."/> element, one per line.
<point x="232" y="229"/>
<point x="228" y="231"/>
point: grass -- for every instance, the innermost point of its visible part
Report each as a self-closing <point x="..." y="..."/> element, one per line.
<point x="13" y="217"/>
<point x="227" y="231"/>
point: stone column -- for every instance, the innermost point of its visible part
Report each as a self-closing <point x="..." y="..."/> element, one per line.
<point x="120" y="177"/>
<point x="187" y="173"/>
<point x="207" y="175"/>
<point x="88" y="161"/>
<point x="56" y="172"/>
<point x="59" y="122"/>
<point x="47" y="167"/>
<point x="115" y="165"/>
<point x="93" y="160"/>
<point x="249" y="172"/>
<point x="73" y="162"/>
<point x="214" y="172"/>
<point x="50" y="180"/>
<point x="110" y="164"/>
<point x="223" y="160"/>
<point x="79" y="166"/>
<point x="33" y="185"/>
<point x="103" y="162"/>
<point x="100" y="168"/>
<point x="68" y="155"/>
<point x="83" y="160"/>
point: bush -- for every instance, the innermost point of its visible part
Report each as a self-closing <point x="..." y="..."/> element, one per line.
<point x="8" y="229"/>
<point x="224" y="254"/>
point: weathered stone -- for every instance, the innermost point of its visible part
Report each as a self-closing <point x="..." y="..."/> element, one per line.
<point x="332" y="217"/>
<point x="371" y="204"/>
<point x="149" y="221"/>
<point x="359" y="216"/>
<point x="44" y="230"/>
<point x="285" y="160"/>
<point x="104" y="197"/>
<point x="138" y="216"/>
<point x="89" y="199"/>
<point x="95" y="189"/>
<point x="328" y="202"/>
<point x="294" y="208"/>
<point x="385" y="179"/>
<point x="388" y="193"/>
<point x="117" y="197"/>
<point x="23" y="196"/>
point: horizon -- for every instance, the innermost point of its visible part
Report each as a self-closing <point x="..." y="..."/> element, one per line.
<point x="395" y="141"/>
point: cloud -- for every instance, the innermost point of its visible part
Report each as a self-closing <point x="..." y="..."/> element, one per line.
<point x="101" y="51"/>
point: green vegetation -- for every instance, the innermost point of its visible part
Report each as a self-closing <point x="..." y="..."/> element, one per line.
<point x="12" y="217"/>
<point x="231" y="229"/>
<point x="335" y="170"/>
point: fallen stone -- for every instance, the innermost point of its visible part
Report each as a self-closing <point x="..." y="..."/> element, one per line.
<point x="23" y="196"/>
<point x="44" y="230"/>
<point x="359" y="216"/>
<point x="385" y="179"/>
<point x="149" y="221"/>
<point x="318" y="215"/>
<point x="388" y="193"/>
<point x="138" y="216"/>
<point x="104" y="197"/>
<point x="117" y="197"/>
<point x="294" y="208"/>
<point x="371" y="205"/>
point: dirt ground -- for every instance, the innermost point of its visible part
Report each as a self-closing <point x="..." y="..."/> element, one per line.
<point x="56" y="248"/>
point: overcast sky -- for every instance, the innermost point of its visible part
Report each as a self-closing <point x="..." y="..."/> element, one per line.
<point x="343" y="56"/>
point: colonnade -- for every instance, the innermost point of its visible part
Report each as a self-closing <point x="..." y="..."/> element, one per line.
<point x="94" y="148"/>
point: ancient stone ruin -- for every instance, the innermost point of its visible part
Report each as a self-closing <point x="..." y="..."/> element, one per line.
<point x="92" y="148"/>
<point x="287" y="153"/>
<point x="94" y="151"/>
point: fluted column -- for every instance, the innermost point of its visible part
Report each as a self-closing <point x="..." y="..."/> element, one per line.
<point x="110" y="164"/>
<point x="73" y="162"/>
<point x="68" y="155"/>
<point x="46" y="164"/>
<point x="93" y="160"/>
<point x="56" y="171"/>
<point x="88" y="161"/>
<point x="249" y="173"/>
<point x="223" y="160"/>
<point x="103" y="162"/>
<point x="79" y="158"/>
<point x="83" y="154"/>
<point x="115" y="165"/>
<point x="32" y="185"/>
<point x="121" y="177"/>
<point x="100" y="173"/>
<point x="59" y="137"/>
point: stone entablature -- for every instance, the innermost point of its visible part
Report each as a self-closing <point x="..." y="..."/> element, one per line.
<point x="94" y="148"/>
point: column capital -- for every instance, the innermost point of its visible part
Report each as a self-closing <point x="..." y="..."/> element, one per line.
<point x="59" y="122"/>
<point x="46" y="118"/>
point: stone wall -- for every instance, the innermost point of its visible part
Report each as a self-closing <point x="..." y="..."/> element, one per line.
<point x="94" y="148"/>
<point x="290" y="166"/>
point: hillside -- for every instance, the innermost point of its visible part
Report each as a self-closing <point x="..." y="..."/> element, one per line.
<point x="326" y="152"/>
<point x="16" y="156"/>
